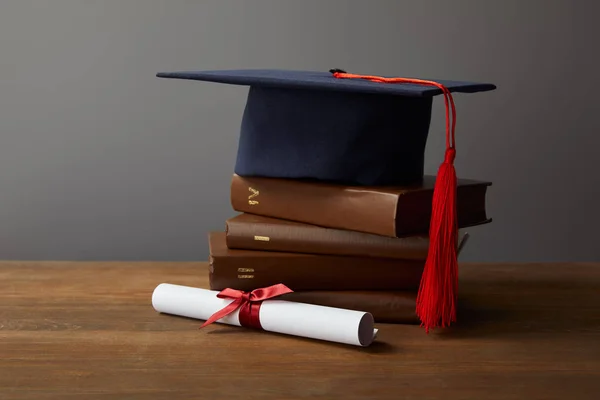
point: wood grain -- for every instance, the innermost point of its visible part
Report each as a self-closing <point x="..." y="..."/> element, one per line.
<point x="88" y="330"/>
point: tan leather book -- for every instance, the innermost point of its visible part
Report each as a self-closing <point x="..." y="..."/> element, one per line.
<point x="385" y="306"/>
<point x="386" y="211"/>
<point x="255" y="232"/>
<point x="249" y="270"/>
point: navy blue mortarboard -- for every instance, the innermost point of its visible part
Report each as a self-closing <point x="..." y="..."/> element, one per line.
<point x="356" y="130"/>
<point x="312" y="125"/>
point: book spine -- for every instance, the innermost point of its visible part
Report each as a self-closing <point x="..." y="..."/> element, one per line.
<point x="386" y="306"/>
<point x="317" y="272"/>
<point x="261" y="234"/>
<point x="324" y="205"/>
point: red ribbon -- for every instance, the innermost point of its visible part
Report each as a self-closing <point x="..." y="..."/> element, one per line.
<point x="248" y="303"/>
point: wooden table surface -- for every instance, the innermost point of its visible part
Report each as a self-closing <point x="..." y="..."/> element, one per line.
<point x="88" y="330"/>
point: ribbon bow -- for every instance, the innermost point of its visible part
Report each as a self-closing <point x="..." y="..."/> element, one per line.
<point x="248" y="303"/>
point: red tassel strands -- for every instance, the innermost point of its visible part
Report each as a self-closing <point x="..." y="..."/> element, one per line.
<point x="436" y="300"/>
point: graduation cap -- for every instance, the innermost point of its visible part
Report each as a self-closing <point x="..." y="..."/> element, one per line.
<point x="365" y="130"/>
<point x="313" y="125"/>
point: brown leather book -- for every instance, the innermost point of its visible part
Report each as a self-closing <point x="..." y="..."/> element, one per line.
<point x="386" y="211"/>
<point x="255" y="232"/>
<point x="386" y="306"/>
<point x="249" y="270"/>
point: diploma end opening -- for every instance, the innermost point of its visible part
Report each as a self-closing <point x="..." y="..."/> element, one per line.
<point x="366" y="333"/>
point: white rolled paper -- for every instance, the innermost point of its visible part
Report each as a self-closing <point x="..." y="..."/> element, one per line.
<point x="299" y="319"/>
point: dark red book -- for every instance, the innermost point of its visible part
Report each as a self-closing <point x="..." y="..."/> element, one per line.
<point x="386" y="211"/>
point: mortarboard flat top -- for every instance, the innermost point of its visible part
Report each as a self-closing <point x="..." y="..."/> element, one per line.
<point x="312" y="125"/>
<point x="321" y="81"/>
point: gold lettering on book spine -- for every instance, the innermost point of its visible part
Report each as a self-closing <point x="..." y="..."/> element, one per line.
<point x="254" y="194"/>
<point x="262" y="238"/>
<point x="244" y="273"/>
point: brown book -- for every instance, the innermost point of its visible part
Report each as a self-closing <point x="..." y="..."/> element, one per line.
<point x="249" y="270"/>
<point x="385" y="211"/>
<point x="386" y="306"/>
<point x="255" y="232"/>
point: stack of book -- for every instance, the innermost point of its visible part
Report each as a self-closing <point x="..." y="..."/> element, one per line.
<point x="355" y="247"/>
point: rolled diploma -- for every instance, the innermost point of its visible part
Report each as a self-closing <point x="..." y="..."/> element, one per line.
<point x="299" y="319"/>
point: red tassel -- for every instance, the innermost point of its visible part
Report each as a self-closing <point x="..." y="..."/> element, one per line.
<point x="436" y="301"/>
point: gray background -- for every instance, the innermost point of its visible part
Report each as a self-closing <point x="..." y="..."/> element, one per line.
<point x="101" y="160"/>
